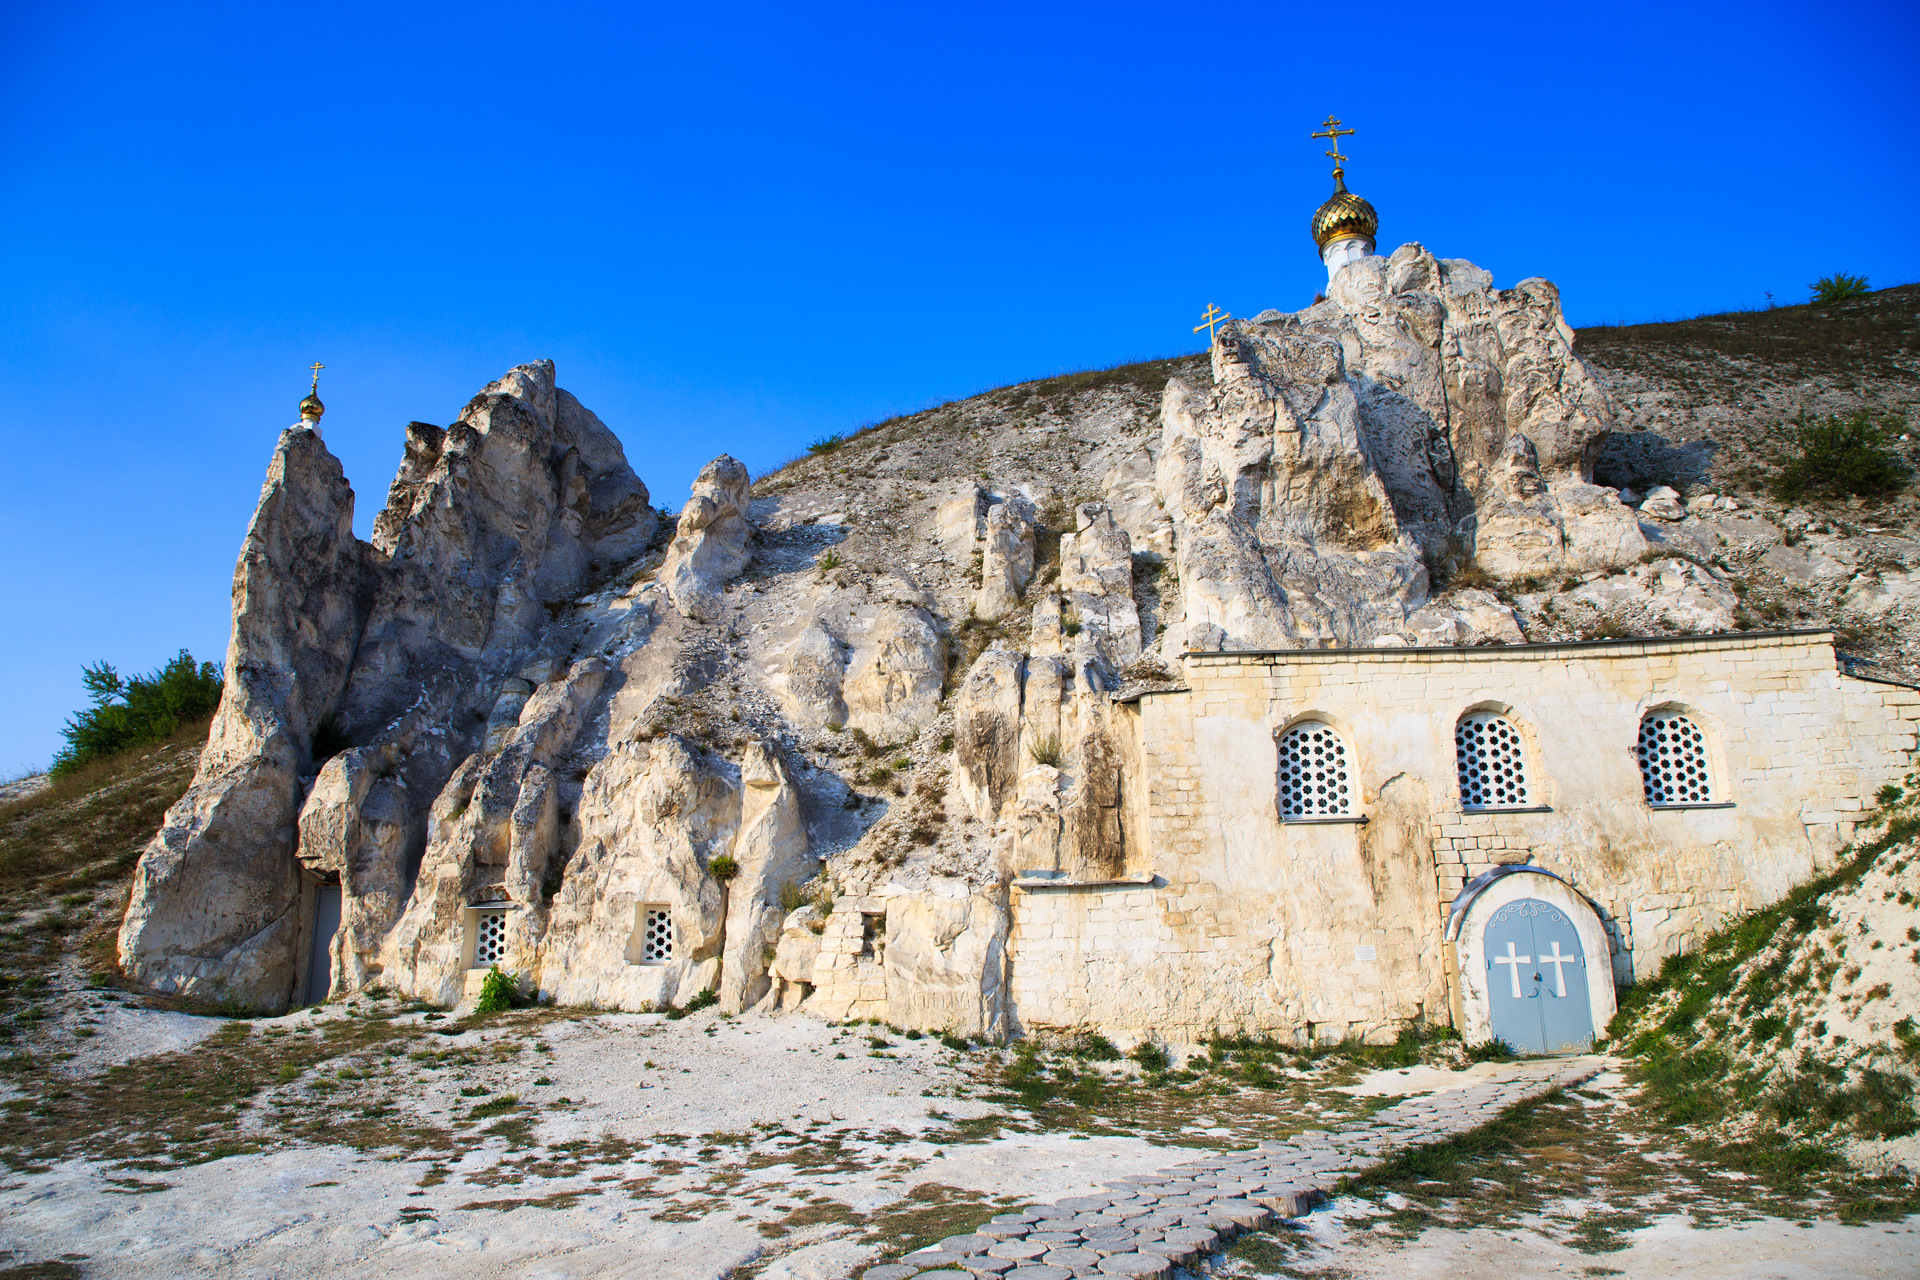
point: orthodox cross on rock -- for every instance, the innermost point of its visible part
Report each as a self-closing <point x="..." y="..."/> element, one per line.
<point x="317" y="367"/>
<point x="1332" y="132"/>
<point x="1209" y="318"/>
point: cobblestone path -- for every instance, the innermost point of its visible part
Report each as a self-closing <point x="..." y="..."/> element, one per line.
<point x="1146" y="1226"/>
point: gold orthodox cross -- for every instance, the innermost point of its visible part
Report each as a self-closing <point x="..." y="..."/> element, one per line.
<point x="317" y="367"/>
<point x="1332" y="132"/>
<point x="1209" y="318"/>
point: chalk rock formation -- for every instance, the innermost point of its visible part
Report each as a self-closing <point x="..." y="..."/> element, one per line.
<point x="494" y="835"/>
<point x="812" y="678"/>
<point x="1677" y="593"/>
<point x="1417" y="416"/>
<point x="1469" y="617"/>
<point x="400" y="647"/>
<point x="216" y="895"/>
<point x="1006" y="562"/>
<point x="1096" y="583"/>
<point x="353" y="830"/>
<point x="710" y="545"/>
<point x="894" y="678"/>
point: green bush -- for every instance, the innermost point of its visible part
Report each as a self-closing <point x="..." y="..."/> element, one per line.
<point x="135" y="712"/>
<point x="1151" y="1057"/>
<point x="1094" y="1047"/>
<point x="1838" y="287"/>
<point x="498" y="993"/>
<point x="825" y="445"/>
<point x="1846" y="454"/>
<point x="723" y="868"/>
<point x="1495" y="1050"/>
<point x="695" y="1005"/>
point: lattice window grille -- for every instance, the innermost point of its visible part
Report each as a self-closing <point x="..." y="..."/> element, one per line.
<point x="656" y="935"/>
<point x="1313" y="773"/>
<point x="489" y="938"/>
<point x="1492" y="763"/>
<point x="1673" y="760"/>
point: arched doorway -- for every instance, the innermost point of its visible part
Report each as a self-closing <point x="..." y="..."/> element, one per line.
<point x="1537" y="979"/>
<point x="1531" y="963"/>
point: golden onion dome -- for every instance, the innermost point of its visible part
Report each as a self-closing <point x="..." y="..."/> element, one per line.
<point x="311" y="406"/>
<point x="1343" y="216"/>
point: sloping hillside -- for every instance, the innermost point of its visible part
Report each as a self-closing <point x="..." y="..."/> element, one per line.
<point x="1702" y="400"/>
<point x="1789" y="1039"/>
<point x="66" y="853"/>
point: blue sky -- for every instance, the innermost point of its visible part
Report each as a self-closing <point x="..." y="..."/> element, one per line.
<point x="740" y="227"/>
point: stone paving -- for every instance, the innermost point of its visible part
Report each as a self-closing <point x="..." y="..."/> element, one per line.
<point x="1146" y="1226"/>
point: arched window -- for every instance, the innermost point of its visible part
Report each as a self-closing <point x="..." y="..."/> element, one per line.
<point x="1492" y="763"/>
<point x="1313" y="773"/>
<point x="1673" y="760"/>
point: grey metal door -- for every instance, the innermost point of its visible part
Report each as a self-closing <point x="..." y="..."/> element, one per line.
<point x="326" y="922"/>
<point x="1537" y="979"/>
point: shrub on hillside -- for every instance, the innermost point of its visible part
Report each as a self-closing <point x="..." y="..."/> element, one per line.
<point x="137" y="711"/>
<point x="1838" y="287"/>
<point x="1845" y="454"/>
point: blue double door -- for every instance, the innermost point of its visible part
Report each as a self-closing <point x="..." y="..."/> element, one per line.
<point x="1537" y="979"/>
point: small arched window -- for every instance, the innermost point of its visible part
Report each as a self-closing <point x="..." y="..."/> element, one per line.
<point x="1313" y="773"/>
<point x="1673" y="760"/>
<point x="1492" y="763"/>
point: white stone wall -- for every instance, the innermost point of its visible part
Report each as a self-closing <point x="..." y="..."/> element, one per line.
<point x="1334" y="930"/>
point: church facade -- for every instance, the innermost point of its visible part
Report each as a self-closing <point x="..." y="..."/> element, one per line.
<point x="1340" y="843"/>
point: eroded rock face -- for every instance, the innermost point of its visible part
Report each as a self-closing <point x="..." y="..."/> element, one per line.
<point x="1676" y="593"/>
<point x="770" y="852"/>
<point x="946" y="960"/>
<point x="354" y="830"/>
<point x="407" y="647"/>
<point x="710" y="545"/>
<point x="987" y="732"/>
<point x="216" y="911"/>
<point x="1285" y="533"/>
<point x="653" y="815"/>
<point x="1469" y="617"/>
<point x="813" y="679"/>
<point x="1096" y="584"/>
<point x="1418" y="415"/>
<point x="494" y="832"/>
<point x="895" y="675"/>
<point x="1006" y="562"/>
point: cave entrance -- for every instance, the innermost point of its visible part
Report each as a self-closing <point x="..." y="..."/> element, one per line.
<point x="326" y="923"/>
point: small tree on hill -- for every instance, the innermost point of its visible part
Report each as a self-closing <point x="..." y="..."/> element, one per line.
<point x="1845" y="455"/>
<point x="133" y="712"/>
<point x="1838" y="287"/>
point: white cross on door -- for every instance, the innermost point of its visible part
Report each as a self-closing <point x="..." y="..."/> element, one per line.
<point x="1514" y="962"/>
<point x="1556" y="960"/>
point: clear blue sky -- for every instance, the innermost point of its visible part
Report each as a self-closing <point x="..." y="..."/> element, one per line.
<point x="740" y="227"/>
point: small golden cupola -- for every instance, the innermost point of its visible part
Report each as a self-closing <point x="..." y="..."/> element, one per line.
<point x="311" y="408"/>
<point x="1344" y="227"/>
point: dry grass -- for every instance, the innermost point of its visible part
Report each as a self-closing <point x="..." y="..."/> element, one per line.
<point x="1877" y="335"/>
